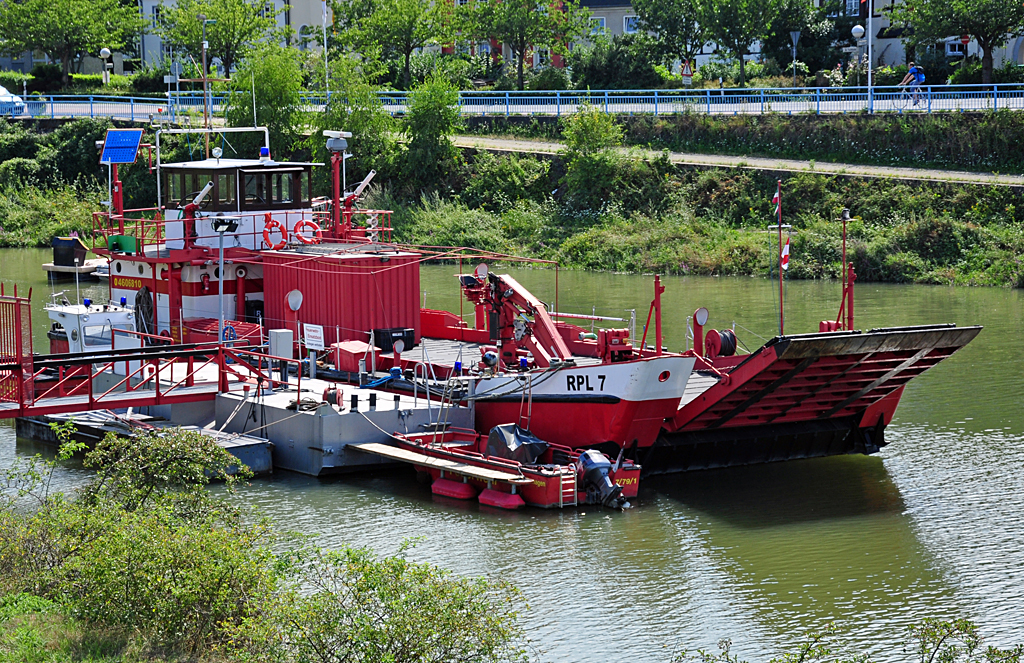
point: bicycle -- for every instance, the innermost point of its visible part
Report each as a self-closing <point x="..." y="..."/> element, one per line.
<point x="907" y="95"/>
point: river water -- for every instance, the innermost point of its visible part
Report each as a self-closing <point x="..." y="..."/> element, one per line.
<point x="932" y="526"/>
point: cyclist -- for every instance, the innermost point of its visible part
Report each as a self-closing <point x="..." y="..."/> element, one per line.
<point x="916" y="79"/>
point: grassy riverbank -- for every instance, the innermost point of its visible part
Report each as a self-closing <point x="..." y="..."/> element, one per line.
<point x="655" y="218"/>
<point x="965" y="141"/>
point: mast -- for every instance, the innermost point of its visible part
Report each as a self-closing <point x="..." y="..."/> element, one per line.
<point x="778" y="193"/>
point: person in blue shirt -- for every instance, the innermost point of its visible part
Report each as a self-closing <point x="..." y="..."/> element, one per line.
<point x="916" y="79"/>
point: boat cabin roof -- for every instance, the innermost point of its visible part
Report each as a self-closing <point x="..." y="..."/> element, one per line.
<point x="227" y="164"/>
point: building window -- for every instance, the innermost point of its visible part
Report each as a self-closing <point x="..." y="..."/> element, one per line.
<point x="267" y="11"/>
<point x="597" y="25"/>
<point x="304" y="37"/>
<point x="629" y="24"/>
<point x="156" y="19"/>
<point x="955" y="48"/>
<point x="853" y="7"/>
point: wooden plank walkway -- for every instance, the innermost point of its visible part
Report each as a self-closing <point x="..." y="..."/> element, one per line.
<point x="462" y="469"/>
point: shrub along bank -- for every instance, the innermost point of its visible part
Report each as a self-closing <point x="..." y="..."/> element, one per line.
<point x="966" y="141"/>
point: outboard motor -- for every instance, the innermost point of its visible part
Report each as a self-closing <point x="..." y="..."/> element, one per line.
<point x="592" y="468"/>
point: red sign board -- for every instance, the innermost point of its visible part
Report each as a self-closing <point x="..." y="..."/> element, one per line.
<point x="965" y="39"/>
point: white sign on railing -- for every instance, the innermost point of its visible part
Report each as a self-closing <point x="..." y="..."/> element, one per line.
<point x="314" y="336"/>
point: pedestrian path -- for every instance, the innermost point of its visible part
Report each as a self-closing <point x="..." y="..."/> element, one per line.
<point x="759" y="163"/>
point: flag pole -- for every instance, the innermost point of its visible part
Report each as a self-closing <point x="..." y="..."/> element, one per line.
<point x="779" y="210"/>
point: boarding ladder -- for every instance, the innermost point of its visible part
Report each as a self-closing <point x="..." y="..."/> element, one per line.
<point x="567" y="495"/>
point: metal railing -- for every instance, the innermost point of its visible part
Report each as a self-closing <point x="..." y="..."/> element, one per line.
<point x="728" y="101"/>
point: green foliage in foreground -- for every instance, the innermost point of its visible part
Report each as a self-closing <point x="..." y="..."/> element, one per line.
<point x="144" y="564"/>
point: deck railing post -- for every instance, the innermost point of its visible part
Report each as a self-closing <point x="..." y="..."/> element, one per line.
<point x="995" y="97"/>
<point x="708" y="95"/>
<point x="190" y="380"/>
<point x="90" y="107"/>
<point x="506" y="104"/>
<point x="606" y="101"/>
<point x="52" y="111"/>
<point x="929" y="98"/>
<point x="655" y="103"/>
<point x="131" y="103"/>
<point x="817" y="100"/>
<point x="558" y="103"/>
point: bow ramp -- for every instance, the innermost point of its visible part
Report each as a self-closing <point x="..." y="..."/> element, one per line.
<point x="813" y="379"/>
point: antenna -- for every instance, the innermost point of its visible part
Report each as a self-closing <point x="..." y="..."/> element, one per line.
<point x="365" y="183"/>
<point x="78" y="293"/>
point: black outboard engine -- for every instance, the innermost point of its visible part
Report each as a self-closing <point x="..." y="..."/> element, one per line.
<point x="593" y="467"/>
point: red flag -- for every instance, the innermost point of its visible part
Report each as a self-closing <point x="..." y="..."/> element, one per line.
<point x="785" y="255"/>
<point x="778" y="203"/>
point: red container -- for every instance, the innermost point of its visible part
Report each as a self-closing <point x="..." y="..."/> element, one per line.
<point x="347" y="294"/>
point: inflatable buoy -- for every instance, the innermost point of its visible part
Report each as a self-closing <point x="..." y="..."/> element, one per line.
<point x="269" y="226"/>
<point x="318" y="234"/>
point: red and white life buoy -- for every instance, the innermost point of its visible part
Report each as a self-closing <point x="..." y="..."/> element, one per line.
<point x="317" y="234"/>
<point x="271" y="224"/>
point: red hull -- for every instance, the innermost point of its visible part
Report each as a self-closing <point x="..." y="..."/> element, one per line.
<point x="580" y="423"/>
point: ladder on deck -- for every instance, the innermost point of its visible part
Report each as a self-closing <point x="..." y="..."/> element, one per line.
<point x="567" y="495"/>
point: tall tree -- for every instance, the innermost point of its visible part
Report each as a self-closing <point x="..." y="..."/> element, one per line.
<point x="736" y="25"/>
<point x="822" y="30"/>
<point x="395" y="27"/>
<point x="674" y="25"/>
<point x="526" y="24"/>
<point x="233" y="27"/>
<point x="65" y="30"/>
<point x="990" y="22"/>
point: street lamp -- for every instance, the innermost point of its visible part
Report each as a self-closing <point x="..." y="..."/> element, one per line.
<point x="794" y="36"/>
<point x="107" y="66"/>
<point x="221" y="225"/>
<point x="858" y="35"/>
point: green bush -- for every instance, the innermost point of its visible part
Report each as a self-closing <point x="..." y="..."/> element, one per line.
<point x="46" y="78"/>
<point x="31" y="216"/>
<point x="431" y="120"/>
<point x="970" y="74"/>
<point x="439" y="222"/>
<point x="69" y="153"/>
<point x="497" y="183"/>
<point x="149" y="81"/>
<point x="14" y="81"/>
<point x="459" y="71"/>
<point x="17" y="142"/>
<point x="94" y="82"/>
<point x="549" y="78"/>
<point x="622" y="63"/>
<point x="18" y="172"/>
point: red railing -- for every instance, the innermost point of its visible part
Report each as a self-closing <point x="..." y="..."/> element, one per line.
<point x="147" y="228"/>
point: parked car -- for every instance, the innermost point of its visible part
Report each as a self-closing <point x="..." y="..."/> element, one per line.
<point x="10" y="104"/>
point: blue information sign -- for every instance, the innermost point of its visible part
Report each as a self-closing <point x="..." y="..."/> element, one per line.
<point x="121" y="145"/>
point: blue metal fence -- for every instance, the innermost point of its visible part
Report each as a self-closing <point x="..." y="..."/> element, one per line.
<point x="730" y="101"/>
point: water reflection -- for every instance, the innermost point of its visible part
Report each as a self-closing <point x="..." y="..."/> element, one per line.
<point x="814" y="541"/>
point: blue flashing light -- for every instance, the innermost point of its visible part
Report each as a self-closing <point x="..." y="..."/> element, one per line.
<point x="124" y="301"/>
<point x="87" y="302"/>
<point x="264" y="151"/>
<point x="522" y="362"/>
<point x="458" y="367"/>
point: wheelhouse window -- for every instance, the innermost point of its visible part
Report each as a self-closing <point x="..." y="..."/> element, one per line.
<point x="226" y="191"/>
<point x="282" y="188"/>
